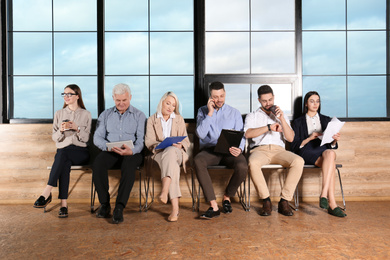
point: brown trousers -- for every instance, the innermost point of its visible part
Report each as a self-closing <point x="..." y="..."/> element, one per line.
<point x="207" y="158"/>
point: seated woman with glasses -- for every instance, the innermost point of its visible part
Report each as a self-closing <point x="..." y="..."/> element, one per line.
<point x="306" y="143"/>
<point x="167" y="122"/>
<point x="71" y="128"/>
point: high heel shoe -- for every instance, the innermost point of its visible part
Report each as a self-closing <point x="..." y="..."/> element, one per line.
<point x="173" y="218"/>
<point x="324" y="203"/>
<point x="41" y="202"/>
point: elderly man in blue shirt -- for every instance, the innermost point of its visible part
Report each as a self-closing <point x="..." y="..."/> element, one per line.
<point x="122" y="122"/>
<point x="211" y="119"/>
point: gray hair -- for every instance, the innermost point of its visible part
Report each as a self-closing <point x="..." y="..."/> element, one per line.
<point x="120" y="89"/>
<point x="169" y="93"/>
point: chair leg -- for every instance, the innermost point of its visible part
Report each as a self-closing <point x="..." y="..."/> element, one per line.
<point x="198" y="198"/>
<point x="296" y="198"/>
<point x="193" y="190"/>
<point x="93" y="195"/>
<point x="341" y="187"/>
<point x="140" y="190"/>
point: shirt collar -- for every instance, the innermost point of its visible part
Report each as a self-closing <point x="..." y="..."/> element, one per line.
<point x="129" y="109"/>
<point x="70" y="111"/>
<point x="172" y="115"/>
<point x="316" y="116"/>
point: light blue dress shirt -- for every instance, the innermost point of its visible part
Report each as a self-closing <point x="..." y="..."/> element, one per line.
<point x="113" y="126"/>
<point x="209" y="128"/>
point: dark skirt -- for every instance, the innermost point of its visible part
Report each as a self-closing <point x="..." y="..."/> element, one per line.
<point x="312" y="151"/>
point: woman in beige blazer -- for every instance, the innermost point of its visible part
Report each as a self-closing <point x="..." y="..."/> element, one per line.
<point x="168" y="122"/>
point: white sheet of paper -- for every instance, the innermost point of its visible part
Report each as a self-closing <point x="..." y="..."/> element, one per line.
<point x="333" y="128"/>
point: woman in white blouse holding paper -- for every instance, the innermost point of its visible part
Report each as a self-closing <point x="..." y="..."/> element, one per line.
<point x="167" y="122"/>
<point x="306" y="143"/>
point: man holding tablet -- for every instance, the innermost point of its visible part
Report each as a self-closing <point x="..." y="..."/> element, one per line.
<point x="122" y="122"/>
<point x="210" y="121"/>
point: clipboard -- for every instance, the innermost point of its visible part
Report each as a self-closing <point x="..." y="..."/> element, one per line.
<point x="169" y="141"/>
<point x="227" y="139"/>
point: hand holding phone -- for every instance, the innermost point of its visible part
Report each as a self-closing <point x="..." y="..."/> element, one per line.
<point x="211" y="106"/>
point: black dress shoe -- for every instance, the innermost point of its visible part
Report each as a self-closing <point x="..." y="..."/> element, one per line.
<point x="267" y="208"/>
<point x="117" y="216"/>
<point x="284" y="208"/>
<point x="227" y="206"/>
<point x="210" y="213"/>
<point x="63" y="213"/>
<point x="104" y="211"/>
<point x="41" y="202"/>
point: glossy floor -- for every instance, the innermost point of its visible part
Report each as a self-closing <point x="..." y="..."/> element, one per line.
<point x="28" y="233"/>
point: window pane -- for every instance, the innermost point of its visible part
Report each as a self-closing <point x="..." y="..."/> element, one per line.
<point x="31" y="15"/>
<point x="238" y="96"/>
<point x="323" y="15"/>
<point x="182" y="86"/>
<point x="88" y="86"/>
<point x="32" y="54"/>
<point x="126" y="53"/>
<point x="232" y="17"/>
<point x="282" y="94"/>
<point x="367" y="52"/>
<point x="74" y="15"/>
<point x="332" y="91"/>
<point x="323" y="53"/>
<point x="171" y="53"/>
<point x="139" y="87"/>
<point x="367" y="96"/>
<point x="126" y="15"/>
<point x="273" y="52"/>
<point x="227" y="52"/>
<point x="171" y="15"/>
<point x="33" y="97"/>
<point x="273" y="15"/>
<point x="366" y="14"/>
<point x="75" y="54"/>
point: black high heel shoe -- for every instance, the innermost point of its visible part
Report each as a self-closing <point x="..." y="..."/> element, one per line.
<point x="41" y="202"/>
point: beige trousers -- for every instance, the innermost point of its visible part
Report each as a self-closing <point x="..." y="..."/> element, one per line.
<point x="275" y="154"/>
<point x="169" y="162"/>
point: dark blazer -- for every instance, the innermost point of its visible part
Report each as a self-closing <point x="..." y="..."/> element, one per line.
<point x="300" y="129"/>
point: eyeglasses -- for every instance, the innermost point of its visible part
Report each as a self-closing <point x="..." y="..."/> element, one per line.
<point x="68" y="94"/>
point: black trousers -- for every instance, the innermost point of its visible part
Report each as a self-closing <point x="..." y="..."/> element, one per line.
<point x="60" y="170"/>
<point x="108" y="160"/>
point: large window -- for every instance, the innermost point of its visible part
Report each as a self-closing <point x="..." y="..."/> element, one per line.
<point x="249" y="43"/>
<point x="339" y="48"/>
<point x="344" y="56"/>
<point x="147" y="44"/>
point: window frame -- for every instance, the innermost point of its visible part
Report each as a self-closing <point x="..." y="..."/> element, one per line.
<point x="201" y="79"/>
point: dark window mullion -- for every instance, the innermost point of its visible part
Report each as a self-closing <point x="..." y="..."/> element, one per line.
<point x="100" y="56"/>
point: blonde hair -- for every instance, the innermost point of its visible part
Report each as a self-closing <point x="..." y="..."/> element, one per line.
<point x="169" y="93"/>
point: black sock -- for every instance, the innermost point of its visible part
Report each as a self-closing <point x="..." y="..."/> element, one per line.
<point x="281" y="200"/>
<point x="266" y="199"/>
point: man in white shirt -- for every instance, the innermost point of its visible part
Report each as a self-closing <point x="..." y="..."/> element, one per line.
<point x="266" y="131"/>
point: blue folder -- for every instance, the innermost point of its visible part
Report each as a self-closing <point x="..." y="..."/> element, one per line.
<point x="169" y="141"/>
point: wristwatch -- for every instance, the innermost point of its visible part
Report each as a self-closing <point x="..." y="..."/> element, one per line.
<point x="78" y="129"/>
<point x="269" y="127"/>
